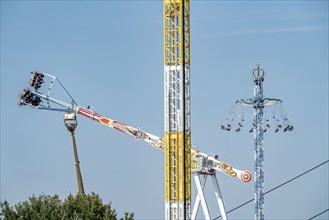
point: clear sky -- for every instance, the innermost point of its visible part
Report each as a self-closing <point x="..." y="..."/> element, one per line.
<point x="109" y="54"/>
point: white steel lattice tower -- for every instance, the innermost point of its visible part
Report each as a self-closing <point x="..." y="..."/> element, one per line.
<point x="260" y="125"/>
<point x="177" y="109"/>
<point x="258" y="142"/>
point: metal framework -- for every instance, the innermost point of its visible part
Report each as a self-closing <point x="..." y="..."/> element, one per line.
<point x="258" y="142"/>
<point x="201" y="163"/>
<point x="259" y="127"/>
<point x="177" y="109"/>
<point x="200" y="185"/>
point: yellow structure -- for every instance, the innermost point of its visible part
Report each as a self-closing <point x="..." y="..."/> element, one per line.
<point x="177" y="109"/>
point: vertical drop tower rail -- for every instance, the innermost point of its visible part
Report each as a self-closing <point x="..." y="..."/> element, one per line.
<point x="177" y="109"/>
<point x="259" y="126"/>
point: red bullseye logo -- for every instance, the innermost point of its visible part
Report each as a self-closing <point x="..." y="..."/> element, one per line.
<point x="246" y="176"/>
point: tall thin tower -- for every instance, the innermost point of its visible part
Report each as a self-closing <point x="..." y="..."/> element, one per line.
<point x="177" y="109"/>
<point x="260" y="125"/>
<point x="258" y="142"/>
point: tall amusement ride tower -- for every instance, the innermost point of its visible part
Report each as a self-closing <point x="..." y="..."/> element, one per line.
<point x="177" y="109"/>
<point x="180" y="159"/>
<point x="260" y="124"/>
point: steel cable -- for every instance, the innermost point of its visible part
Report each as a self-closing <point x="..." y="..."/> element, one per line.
<point x="243" y="204"/>
<point x="318" y="214"/>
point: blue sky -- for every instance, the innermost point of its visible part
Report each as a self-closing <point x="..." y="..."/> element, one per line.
<point x="109" y="54"/>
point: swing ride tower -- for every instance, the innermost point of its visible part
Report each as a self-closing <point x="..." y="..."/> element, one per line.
<point x="260" y="124"/>
<point x="258" y="142"/>
<point x="177" y="136"/>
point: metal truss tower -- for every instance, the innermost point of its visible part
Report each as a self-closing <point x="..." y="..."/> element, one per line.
<point x="259" y="126"/>
<point x="258" y="142"/>
<point x="177" y="109"/>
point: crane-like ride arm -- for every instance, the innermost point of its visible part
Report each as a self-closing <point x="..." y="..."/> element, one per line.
<point x="201" y="162"/>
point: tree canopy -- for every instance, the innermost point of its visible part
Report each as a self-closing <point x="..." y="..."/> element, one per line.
<point x="46" y="207"/>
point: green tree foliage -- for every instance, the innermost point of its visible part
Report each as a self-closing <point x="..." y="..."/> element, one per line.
<point x="45" y="207"/>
